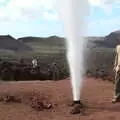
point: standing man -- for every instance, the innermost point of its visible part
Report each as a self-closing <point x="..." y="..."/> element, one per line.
<point x="117" y="76"/>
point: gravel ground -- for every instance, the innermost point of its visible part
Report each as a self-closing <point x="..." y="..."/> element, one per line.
<point x="96" y="94"/>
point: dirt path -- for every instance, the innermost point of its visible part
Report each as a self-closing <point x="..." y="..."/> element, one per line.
<point x="96" y="94"/>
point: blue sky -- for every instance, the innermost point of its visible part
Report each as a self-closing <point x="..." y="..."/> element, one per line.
<point x="27" y="18"/>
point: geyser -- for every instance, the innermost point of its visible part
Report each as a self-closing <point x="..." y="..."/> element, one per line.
<point x="74" y="13"/>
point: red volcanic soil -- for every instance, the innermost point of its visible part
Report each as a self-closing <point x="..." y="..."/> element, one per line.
<point x="96" y="94"/>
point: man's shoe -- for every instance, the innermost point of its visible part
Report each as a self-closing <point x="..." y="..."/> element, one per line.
<point x="114" y="100"/>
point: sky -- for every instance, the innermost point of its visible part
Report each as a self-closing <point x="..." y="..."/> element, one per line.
<point x="39" y="18"/>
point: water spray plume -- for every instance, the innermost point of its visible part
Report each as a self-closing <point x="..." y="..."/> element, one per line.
<point x="74" y="13"/>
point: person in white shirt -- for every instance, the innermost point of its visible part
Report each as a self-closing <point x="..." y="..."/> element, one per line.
<point x="34" y="63"/>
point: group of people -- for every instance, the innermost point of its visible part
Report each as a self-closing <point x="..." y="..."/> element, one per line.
<point x="34" y="62"/>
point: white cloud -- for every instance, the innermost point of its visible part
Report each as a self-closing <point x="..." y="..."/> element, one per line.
<point x="2" y="1"/>
<point x="105" y="22"/>
<point x="107" y="9"/>
<point x="50" y="16"/>
<point x="102" y="2"/>
<point x="103" y="26"/>
<point x="30" y="9"/>
<point x="25" y="9"/>
<point x="32" y="4"/>
<point x="106" y="5"/>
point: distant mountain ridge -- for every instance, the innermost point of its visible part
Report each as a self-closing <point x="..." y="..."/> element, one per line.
<point x="22" y="44"/>
<point x="111" y="40"/>
<point x="9" y="43"/>
<point x="51" y="39"/>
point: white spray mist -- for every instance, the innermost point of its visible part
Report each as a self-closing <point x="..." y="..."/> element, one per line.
<point x="73" y="13"/>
